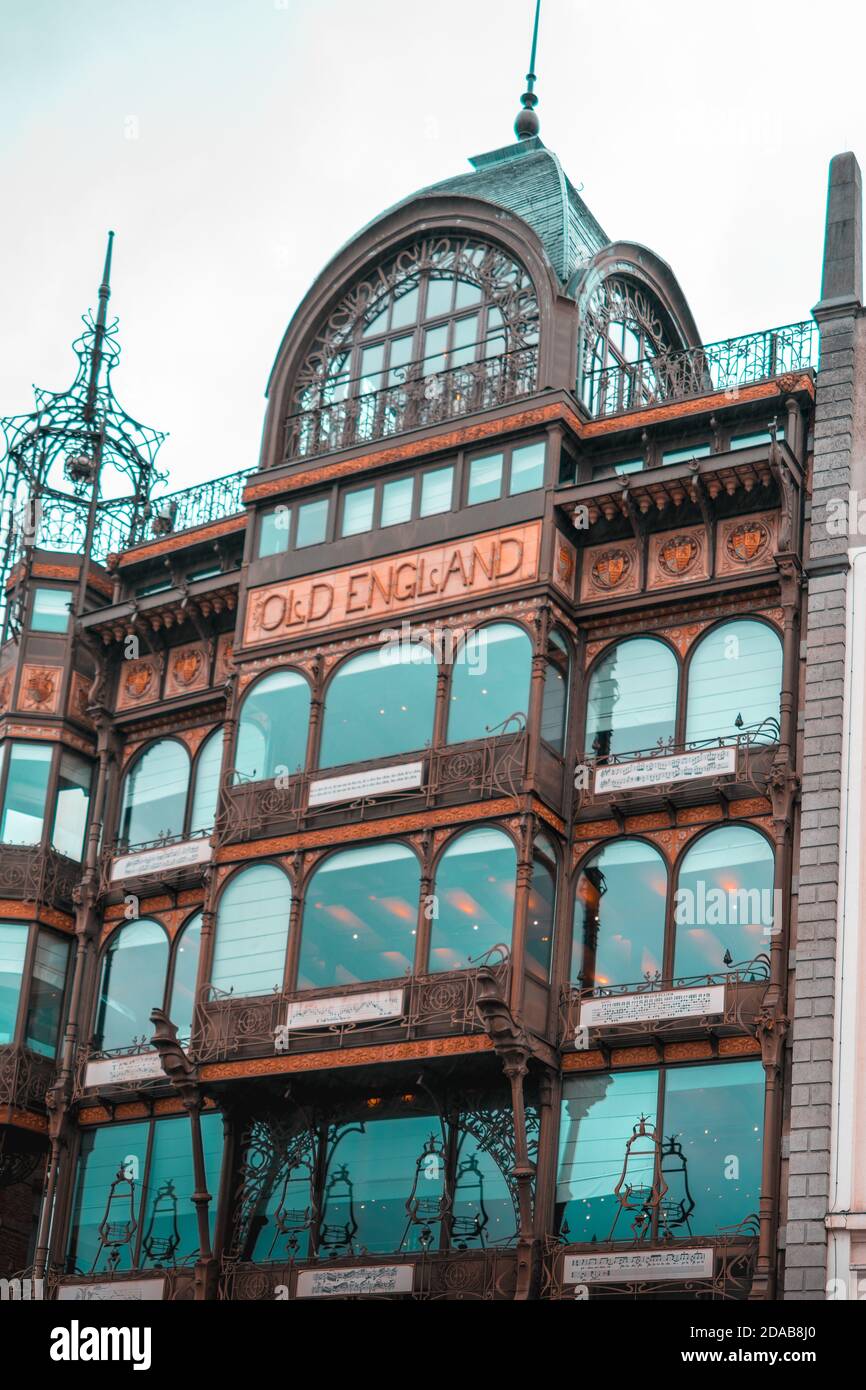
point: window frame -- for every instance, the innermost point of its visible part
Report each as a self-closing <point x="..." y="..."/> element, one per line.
<point x="194" y="761"/>
<point x="49" y="808"/>
<point x="18" y="1039"/>
<point x="506" y="451"/>
<point x="31" y="609"/>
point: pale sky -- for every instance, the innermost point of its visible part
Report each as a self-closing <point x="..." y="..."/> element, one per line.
<point x="234" y="145"/>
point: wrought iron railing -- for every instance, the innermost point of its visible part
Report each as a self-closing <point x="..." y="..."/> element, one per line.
<point x="193" y="506"/>
<point x="725" y="366"/>
<point x="420" y="399"/>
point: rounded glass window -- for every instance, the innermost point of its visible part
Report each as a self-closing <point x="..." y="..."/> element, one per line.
<point x="272" y="729"/>
<point x="207" y="782"/>
<point x="379" y="703"/>
<point x="252" y="932"/>
<point x="133" y="983"/>
<point x="735" y="681"/>
<point x="632" y="700"/>
<point x="154" y="794"/>
<point x="489" y="682"/>
<point x="619" y="916"/>
<point x="186" y="953"/>
<point x="541" y="905"/>
<point x="360" y="916"/>
<point x="724" y="906"/>
<point x="473" y="903"/>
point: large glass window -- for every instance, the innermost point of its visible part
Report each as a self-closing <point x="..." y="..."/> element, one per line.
<point x="489" y="682"/>
<point x="26" y="788"/>
<point x="272" y="731"/>
<point x="541" y="905"/>
<point x="554" y="705"/>
<point x="735" y="681"/>
<point x="473" y="898"/>
<point x="379" y="703"/>
<point x="132" y="984"/>
<point x="369" y="1179"/>
<point x="70" y="811"/>
<point x="360" y="916"/>
<point x="154" y="794"/>
<point x="47" y="988"/>
<point x="13" y="949"/>
<point x="619" y="916"/>
<point x="632" y="701"/>
<point x="206" y="784"/>
<point x="696" y="1120"/>
<point x="724" y="906"/>
<point x="186" y="952"/>
<point x="51" y="610"/>
<point x="437" y="485"/>
<point x="252" y="932"/>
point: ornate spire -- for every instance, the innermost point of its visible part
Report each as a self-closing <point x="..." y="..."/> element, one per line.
<point x="527" y="123"/>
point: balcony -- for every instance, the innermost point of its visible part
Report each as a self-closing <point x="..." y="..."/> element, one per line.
<point x="475" y="1275"/>
<point x="170" y="863"/>
<point x="421" y="399"/>
<point x="691" y="1268"/>
<point x="25" y="1077"/>
<point x="728" y="366"/>
<point x="36" y="874"/>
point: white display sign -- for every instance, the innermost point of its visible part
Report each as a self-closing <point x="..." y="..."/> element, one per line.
<point x="340" y="1283"/>
<point x="125" y="1290"/>
<point x="109" y="1071"/>
<point x="652" y="772"/>
<point x="638" y="1264"/>
<point x="376" y="781"/>
<point x="338" y="1010"/>
<point x="155" y="861"/>
<point x="618" y="1009"/>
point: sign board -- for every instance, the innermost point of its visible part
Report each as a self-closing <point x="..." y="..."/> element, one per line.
<point x="111" y="1071"/>
<point x="125" y="1290"/>
<point x="638" y="1264"/>
<point x="184" y="855"/>
<point x="339" y="1010"/>
<point x="339" y="1283"/>
<point x="618" y="1009"/>
<point x="375" y="781"/>
<point x="654" y="772"/>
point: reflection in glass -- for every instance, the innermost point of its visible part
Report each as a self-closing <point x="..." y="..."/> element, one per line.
<point x="379" y="703"/>
<point x="252" y="931"/>
<point x="182" y="1002"/>
<point x="735" y="673"/>
<point x="619" y="916"/>
<point x="272" y="732"/>
<point x="632" y="700"/>
<point x="154" y="794"/>
<point x="724" y="904"/>
<point x="26" y="788"/>
<point x="206" y="785"/>
<point x="541" y="904"/>
<point x="168" y="1213"/>
<point x="372" y="1173"/>
<point x="437" y="485"/>
<point x="527" y="468"/>
<point x="47" y="986"/>
<point x="554" y="705"/>
<point x="474" y="898"/>
<point x="360" y="916"/>
<point x="13" y="949"/>
<point x="489" y="682"/>
<point x="485" y="479"/>
<point x="70" y="813"/>
<point x="133" y="983"/>
<point x="599" y="1113"/>
<point x="51" y="610"/>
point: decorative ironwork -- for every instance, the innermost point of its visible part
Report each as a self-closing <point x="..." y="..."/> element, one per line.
<point x="734" y="1257"/>
<point x="677" y="374"/>
<point x="479" y="1275"/>
<point x="275" y="1150"/>
<point x="25" y="1078"/>
<point x="117" y="1229"/>
<point x="38" y="875"/>
<point x="191" y="507"/>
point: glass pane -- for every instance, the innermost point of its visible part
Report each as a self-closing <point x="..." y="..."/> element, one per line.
<point x="104" y="1152"/>
<point x="252" y="931"/>
<point x="490" y="682"/>
<point x="527" y="468"/>
<point x="51" y="610"/>
<point x="378" y="704"/>
<point x="435" y="356"/>
<point x="599" y="1114"/>
<point x="372" y="360"/>
<point x="13" y="948"/>
<point x="713" y="1113"/>
<point x="73" y="796"/>
<point x="554" y="707"/>
<point x="312" y="523"/>
<point x="751" y="441"/>
<point x="467" y="294"/>
<point x="169" y="1229"/>
<point x="133" y="983"/>
<point x="724" y="904"/>
<point x="360" y="917"/>
<point x="206" y="786"/>
<point x="735" y="673"/>
<point x="632" y="701"/>
<point x="154" y="794"/>
<point x="541" y="906"/>
<point x="358" y="511"/>
<point x="26" y="788"/>
<point x="272" y="731"/>
<point x="483" y="1206"/>
<point x="399" y="358"/>
<point x="378" y="324"/>
<point x="274" y="531"/>
<point x="615" y="944"/>
<point x="474" y="899"/>
<point x="46" y="994"/>
<point x="694" y="451"/>
<point x="440" y="294"/>
<point x="370" y="1177"/>
<point x="397" y="501"/>
<point x="182" y="1002"/>
<point x="406" y="306"/>
<point x="437" y="487"/>
<point x="485" y="479"/>
<point x="278" y="1164"/>
<point x="465" y="340"/>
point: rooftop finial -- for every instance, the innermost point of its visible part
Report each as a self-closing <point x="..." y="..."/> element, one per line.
<point x="527" y="123"/>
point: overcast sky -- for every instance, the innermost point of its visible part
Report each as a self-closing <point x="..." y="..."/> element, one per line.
<point x="234" y="145"/>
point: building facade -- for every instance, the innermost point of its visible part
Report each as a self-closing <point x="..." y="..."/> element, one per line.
<point x="401" y="837"/>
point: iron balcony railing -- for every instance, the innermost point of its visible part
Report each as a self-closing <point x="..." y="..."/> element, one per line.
<point x="726" y="366"/>
<point x="422" y="398"/>
<point x="193" y="506"/>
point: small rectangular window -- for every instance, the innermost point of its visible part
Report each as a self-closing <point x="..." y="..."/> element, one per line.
<point x="159" y="586"/>
<point x="312" y="523"/>
<point x="527" y="468"/>
<point x="51" y="610"/>
<point x="485" y="479"/>
<point x="694" y="451"/>
<point x="397" y="501"/>
<point x="750" y="441"/>
<point x="274" y="531"/>
<point x="436" y="490"/>
<point x="358" y="511"/>
<point x="628" y="466"/>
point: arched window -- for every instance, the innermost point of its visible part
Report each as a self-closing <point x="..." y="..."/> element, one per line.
<point x="379" y="703"/>
<point x="724" y="908"/>
<point x="252" y="932"/>
<point x="622" y="327"/>
<point x="619" y="916"/>
<point x="182" y="1000"/>
<point x="735" y="681"/>
<point x="272" y="730"/>
<point x="541" y="906"/>
<point x="489" y="681"/>
<point x="360" y="916"/>
<point x="132" y="984"/>
<point x="206" y="783"/>
<point x="474" y="898"/>
<point x="554" y="706"/>
<point x="632" y="701"/>
<point x="154" y="794"/>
